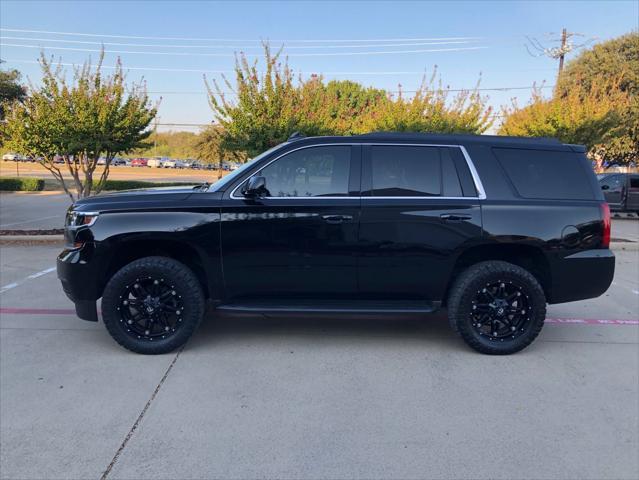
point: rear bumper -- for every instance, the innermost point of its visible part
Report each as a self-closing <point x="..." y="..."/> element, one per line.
<point x="586" y="274"/>
<point x="79" y="280"/>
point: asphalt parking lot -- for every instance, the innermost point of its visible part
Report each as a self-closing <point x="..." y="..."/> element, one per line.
<point x="327" y="398"/>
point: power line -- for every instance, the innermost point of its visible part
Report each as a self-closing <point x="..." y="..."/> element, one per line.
<point x="149" y="45"/>
<point x="481" y="89"/>
<point x="201" y="70"/>
<point x="140" y="37"/>
<point x="200" y="54"/>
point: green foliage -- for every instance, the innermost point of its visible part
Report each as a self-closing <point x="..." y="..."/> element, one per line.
<point x="616" y="58"/>
<point x="96" y="115"/>
<point x="10" y="184"/>
<point x="11" y="90"/>
<point x="596" y="103"/>
<point x="270" y="106"/>
<point x="169" y="144"/>
<point x="133" y="184"/>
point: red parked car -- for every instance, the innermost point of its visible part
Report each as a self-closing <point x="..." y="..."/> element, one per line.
<point x="139" y="162"/>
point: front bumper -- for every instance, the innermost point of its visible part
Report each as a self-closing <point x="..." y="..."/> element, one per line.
<point x="586" y="274"/>
<point x="80" y="280"/>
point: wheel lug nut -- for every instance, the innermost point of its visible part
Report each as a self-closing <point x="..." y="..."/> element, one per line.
<point x="129" y="322"/>
<point x="146" y="332"/>
<point x="155" y="282"/>
<point x="513" y="328"/>
<point x="126" y="302"/>
<point x="173" y="292"/>
<point x="177" y="312"/>
<point x="166" y="329"/>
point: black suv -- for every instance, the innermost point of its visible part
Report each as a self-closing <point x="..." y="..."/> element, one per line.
<point x="493" y="228"/>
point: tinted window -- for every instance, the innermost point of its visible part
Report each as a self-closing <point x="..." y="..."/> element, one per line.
<point x="309" y="172"/>
<point x="545" y="173"/>
<point x="612" y="181"/>
<point x="634" y="182"/>
<point x="405" y="171"/>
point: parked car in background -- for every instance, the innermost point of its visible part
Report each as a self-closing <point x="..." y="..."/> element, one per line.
<point x="156" y="162"/>
<point x="10" y="157"/>
<point x="139" y="162"/>
<point x="101" y="161"/>
<point x="174" y="164"/>
<point x="492" y="228"/>
<point x="118" y="162"/>
<point x="621" y="190"/>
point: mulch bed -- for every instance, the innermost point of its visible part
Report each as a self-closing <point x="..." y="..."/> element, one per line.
<point x="53" y="231"/>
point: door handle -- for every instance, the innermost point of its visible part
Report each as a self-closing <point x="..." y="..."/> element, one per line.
<point x="337" y="219"/>
<point x="455" y="217"/>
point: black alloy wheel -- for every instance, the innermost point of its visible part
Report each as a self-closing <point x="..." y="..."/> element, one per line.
<point x="497" y="307"/>
<point x="153" y="305"/>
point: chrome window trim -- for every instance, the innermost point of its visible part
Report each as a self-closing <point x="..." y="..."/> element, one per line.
<point x="481" y="193"/>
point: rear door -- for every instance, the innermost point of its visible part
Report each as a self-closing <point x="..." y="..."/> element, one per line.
<point x="420" y="205"/>
<point x="300" y="239"/>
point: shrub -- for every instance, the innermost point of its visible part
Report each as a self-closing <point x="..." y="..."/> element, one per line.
<point x="8" y="184"/>
<point x="133" y="184"/>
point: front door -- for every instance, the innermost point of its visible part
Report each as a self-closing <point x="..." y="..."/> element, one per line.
<point x="299" y="239"/>
<point x="612" y="187"/>
<point x="419" y="206"/>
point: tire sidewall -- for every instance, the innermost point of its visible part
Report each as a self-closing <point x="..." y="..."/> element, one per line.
<point x="477" y="279"/>
<point x="174" y="273"/>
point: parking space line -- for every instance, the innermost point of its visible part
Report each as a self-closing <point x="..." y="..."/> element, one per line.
<point x="26" y="279"/>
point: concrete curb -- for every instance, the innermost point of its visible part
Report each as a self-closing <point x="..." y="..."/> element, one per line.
<point x="59" y="239"/>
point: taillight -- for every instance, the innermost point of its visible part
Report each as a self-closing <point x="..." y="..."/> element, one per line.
<point x="605" y="215"/>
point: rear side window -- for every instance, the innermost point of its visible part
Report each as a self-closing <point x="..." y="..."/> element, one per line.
<point x="405" y="171"/>
<point x="634" y="182"/>
<point x="545" y="174"/>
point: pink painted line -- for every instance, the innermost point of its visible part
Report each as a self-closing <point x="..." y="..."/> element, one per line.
<point x="591" y="321"/>
<point x="564" y="321"/>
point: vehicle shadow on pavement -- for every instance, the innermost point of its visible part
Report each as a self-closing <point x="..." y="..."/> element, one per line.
<point x="431" y="329"/>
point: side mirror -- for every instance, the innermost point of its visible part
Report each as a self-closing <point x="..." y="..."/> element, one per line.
<point x="255" y="187"/>
<point x="605" y="187"/>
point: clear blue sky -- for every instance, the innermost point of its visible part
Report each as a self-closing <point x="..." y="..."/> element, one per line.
<point x="501" y="27"/>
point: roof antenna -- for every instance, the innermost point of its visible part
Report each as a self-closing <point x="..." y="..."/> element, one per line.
<point x="296" y="136"/>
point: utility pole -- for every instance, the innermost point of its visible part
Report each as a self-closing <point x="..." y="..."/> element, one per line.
<point x="562" y="49"/>
<point x="565" y="47"/>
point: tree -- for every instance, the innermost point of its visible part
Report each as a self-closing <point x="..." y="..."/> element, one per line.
<point x="271" y="106"/>
<point x="10" y="89"/>
<point x="93" y="116"/>
<point x="208" y="148"/>
<point x="263" y="114"/>
<point x="616" y="58"/>
<point x="596" y="103"/>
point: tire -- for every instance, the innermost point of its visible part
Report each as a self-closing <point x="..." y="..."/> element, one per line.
<point x="160" y="285"/>
<point x="496" y="307"/>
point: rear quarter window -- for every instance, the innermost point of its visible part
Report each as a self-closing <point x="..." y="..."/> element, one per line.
<point x="546" y="174"/>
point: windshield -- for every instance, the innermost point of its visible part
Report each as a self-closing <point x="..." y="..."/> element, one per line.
<point x="228" y="179"/>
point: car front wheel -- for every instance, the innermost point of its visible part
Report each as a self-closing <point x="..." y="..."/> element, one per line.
<point x="153" y="305"/>
<point x="498" y="308"/>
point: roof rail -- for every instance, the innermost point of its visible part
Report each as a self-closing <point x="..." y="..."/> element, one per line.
<point x="296" y="136"/>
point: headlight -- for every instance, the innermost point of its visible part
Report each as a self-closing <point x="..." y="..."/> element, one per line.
<point x="79" y="219"/>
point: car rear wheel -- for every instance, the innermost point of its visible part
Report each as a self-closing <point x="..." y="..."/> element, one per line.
<point x="153" y="305"/>
<point x="496" y="307"/>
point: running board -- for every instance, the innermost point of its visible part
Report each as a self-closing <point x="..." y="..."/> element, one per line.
<point x="349" y="307"/>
